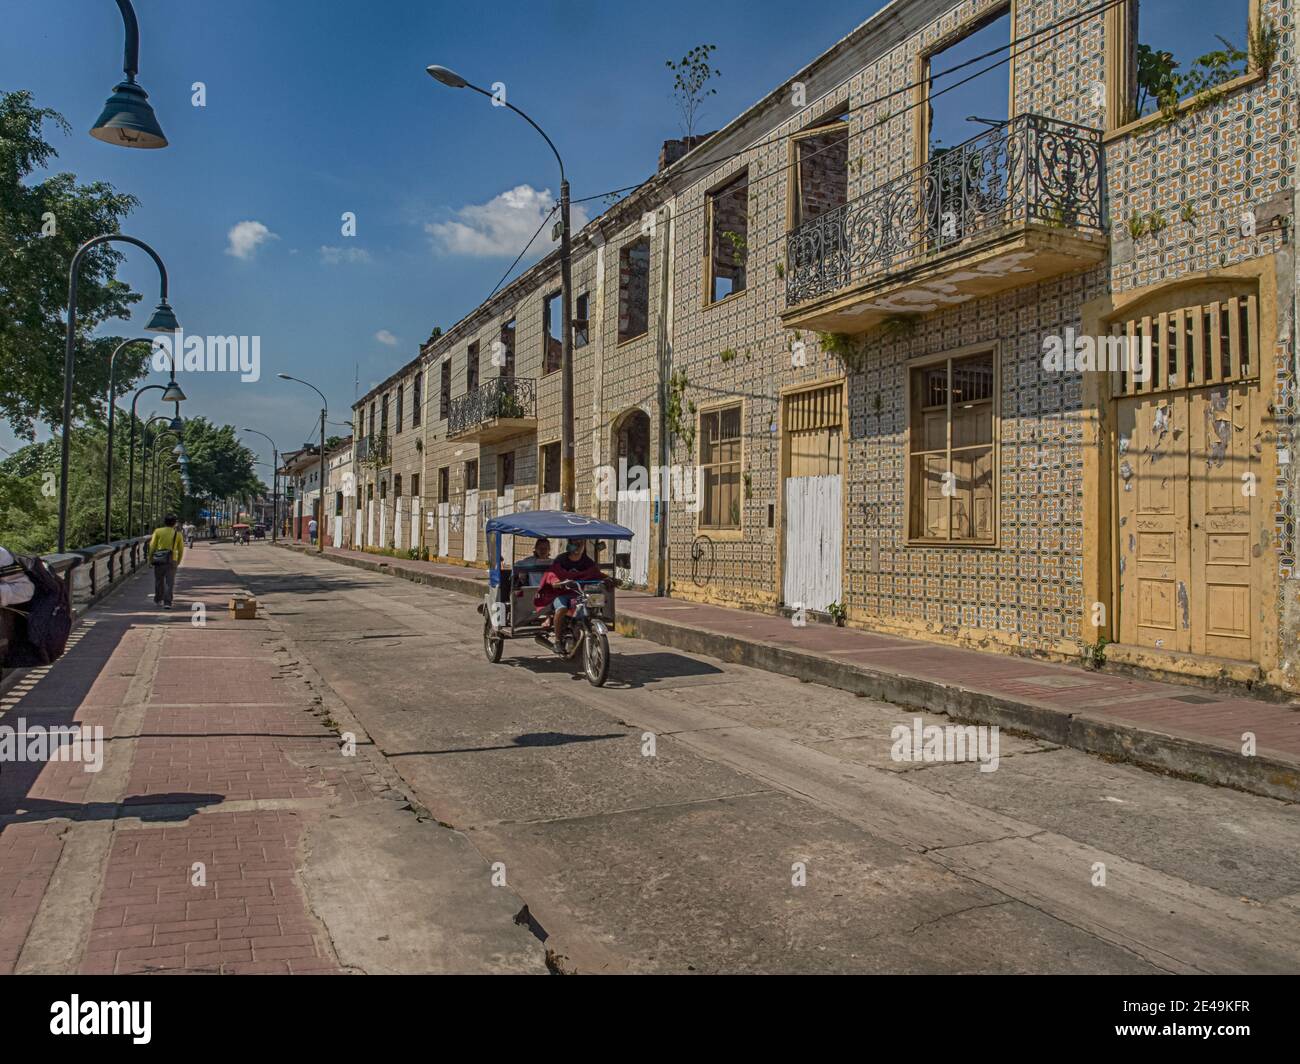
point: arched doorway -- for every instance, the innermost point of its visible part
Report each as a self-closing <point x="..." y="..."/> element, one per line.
<point x="632" y="467"/>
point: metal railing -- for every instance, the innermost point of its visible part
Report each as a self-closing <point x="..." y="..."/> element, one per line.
<point x="501" y="397"/>
<point x="89" y="573"/>
<point x="372" y="449"/>
<point x="1032" y="169"/>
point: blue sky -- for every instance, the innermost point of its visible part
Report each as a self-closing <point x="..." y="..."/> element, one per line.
<point x="316" y="107"/>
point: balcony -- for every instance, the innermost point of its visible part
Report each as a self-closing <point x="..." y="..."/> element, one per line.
<point x="1010" y="207"/>
<point x="504" y="406"/>
<point x="373" y="451"/>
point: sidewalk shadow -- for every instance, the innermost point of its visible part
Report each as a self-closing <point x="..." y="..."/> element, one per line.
<point x="175" y="807"/>
<point x="626" y="671"/>
<point x="528" y="740"/>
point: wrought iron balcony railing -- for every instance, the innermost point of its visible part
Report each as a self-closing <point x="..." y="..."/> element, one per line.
<point x="372" y="450"/>
<point x="511" y="398"/>
<point x="1032" y="169"/>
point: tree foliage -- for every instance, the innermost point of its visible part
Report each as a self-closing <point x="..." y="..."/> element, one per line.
<point x="691" y="77"/>
<point x="220" y="465"/>
<point x="42" y="223"/>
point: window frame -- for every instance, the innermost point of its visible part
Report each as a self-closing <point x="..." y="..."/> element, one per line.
<point x="709" y="276"/>
<point x="417" y="398"/>
<point x="1121" y="43"/>
<point x="581" y="338"/>
<point x="509" y="327"/>
<point x="792" y="218"/>
<point x="473" y="361"/>
<point x="625" y="249"/>
<point x="921" y="113"/>
<point x="736" y="531"/>
<point x="556" y="297"/>
<point x="444" y="389"/>
<point x="925" y="362"/>
<point x="544" y="467"/>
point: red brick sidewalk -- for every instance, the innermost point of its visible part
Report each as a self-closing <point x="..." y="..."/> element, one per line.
<point x="182" y="854"/>
<point x="1080" y="697"/>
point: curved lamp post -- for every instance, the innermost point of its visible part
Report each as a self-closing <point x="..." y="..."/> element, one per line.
<point x="154" y="483"/>
<point x="162" y="320"/>
<point x="567" y="488"/>
<point x="324" y="411"/>
<point x="130" y="484"/>
<point x="127" y="118"/>
<point x="173" y="425"/>
<point x="172" y="393"/>
<point x="275" y="481"/>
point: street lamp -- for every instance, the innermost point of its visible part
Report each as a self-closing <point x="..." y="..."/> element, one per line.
<point x="127" y="118"/>
<point x="162" y="320"/>
<point x="176" y="423"/>
<point x="155" y="488"/>
<point x="146" y="483"/>
<point x="172" y="393"/>
<point x="275" y="482"/>
<point x="567" y="488"/>
<point x="324" y="411"/>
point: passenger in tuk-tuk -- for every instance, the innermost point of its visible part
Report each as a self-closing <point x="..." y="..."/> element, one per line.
<point x="529" y="571"/>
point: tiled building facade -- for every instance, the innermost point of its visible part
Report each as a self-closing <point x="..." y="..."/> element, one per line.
<point x="839" y="331"/>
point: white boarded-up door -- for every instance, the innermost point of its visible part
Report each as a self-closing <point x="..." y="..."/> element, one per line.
<point x="813" y="497"/>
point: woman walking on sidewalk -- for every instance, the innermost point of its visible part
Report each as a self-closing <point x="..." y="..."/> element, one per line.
<point x="166" y="548"/>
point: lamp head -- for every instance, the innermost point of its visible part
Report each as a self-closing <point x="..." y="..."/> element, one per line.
<point x="447" y="77"/>
<point x="173" y="394"/>
<point x="128" y="119"/>
<point x="176" y="424"/>
<point x="163" y="320"/>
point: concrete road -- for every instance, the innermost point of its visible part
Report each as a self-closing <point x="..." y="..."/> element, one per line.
<point x="694" y="816"/>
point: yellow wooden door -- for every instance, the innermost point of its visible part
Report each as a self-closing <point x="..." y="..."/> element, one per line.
<point x="1154" y="524"/>
<point x="1191" y="530"/>
<point x="1228" y="538"/>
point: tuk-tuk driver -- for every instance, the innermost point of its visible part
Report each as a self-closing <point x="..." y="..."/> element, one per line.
<point x="573" y="564"/>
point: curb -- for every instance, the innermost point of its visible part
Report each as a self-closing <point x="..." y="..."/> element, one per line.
<point x="1203" y="761"/>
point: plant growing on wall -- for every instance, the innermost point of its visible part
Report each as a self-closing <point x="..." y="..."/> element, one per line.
<point x="679" y="411"/>
<point x="844" y="347"/>
<point x="1263" y="45"/>
<point x="739" y="246"/>
<point x="691" y="77"/>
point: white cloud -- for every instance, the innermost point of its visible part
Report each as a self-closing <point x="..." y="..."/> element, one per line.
<point x="245" y="238"/>
<point x="385" y="337"/>
<point x="501" y="226"/>
<point x="332" y="256"/>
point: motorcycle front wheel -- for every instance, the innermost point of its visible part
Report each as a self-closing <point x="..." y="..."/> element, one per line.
<point x="492" y="643"/>
<point x="595" y="657"/>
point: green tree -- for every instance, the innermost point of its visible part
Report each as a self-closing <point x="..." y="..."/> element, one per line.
<point x="691" y="77"/>
<point x="220" y="465"/>
<point x="42" y="223"/>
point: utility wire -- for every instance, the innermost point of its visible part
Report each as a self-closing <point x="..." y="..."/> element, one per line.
<point x="1050" y="31"/>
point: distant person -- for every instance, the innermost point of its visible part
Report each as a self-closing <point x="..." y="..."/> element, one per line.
<point x="166" y="548"/>
<point x="311" y="531"/>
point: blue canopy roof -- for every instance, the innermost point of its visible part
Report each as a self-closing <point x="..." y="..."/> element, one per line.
<point x="555" y="524"/>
